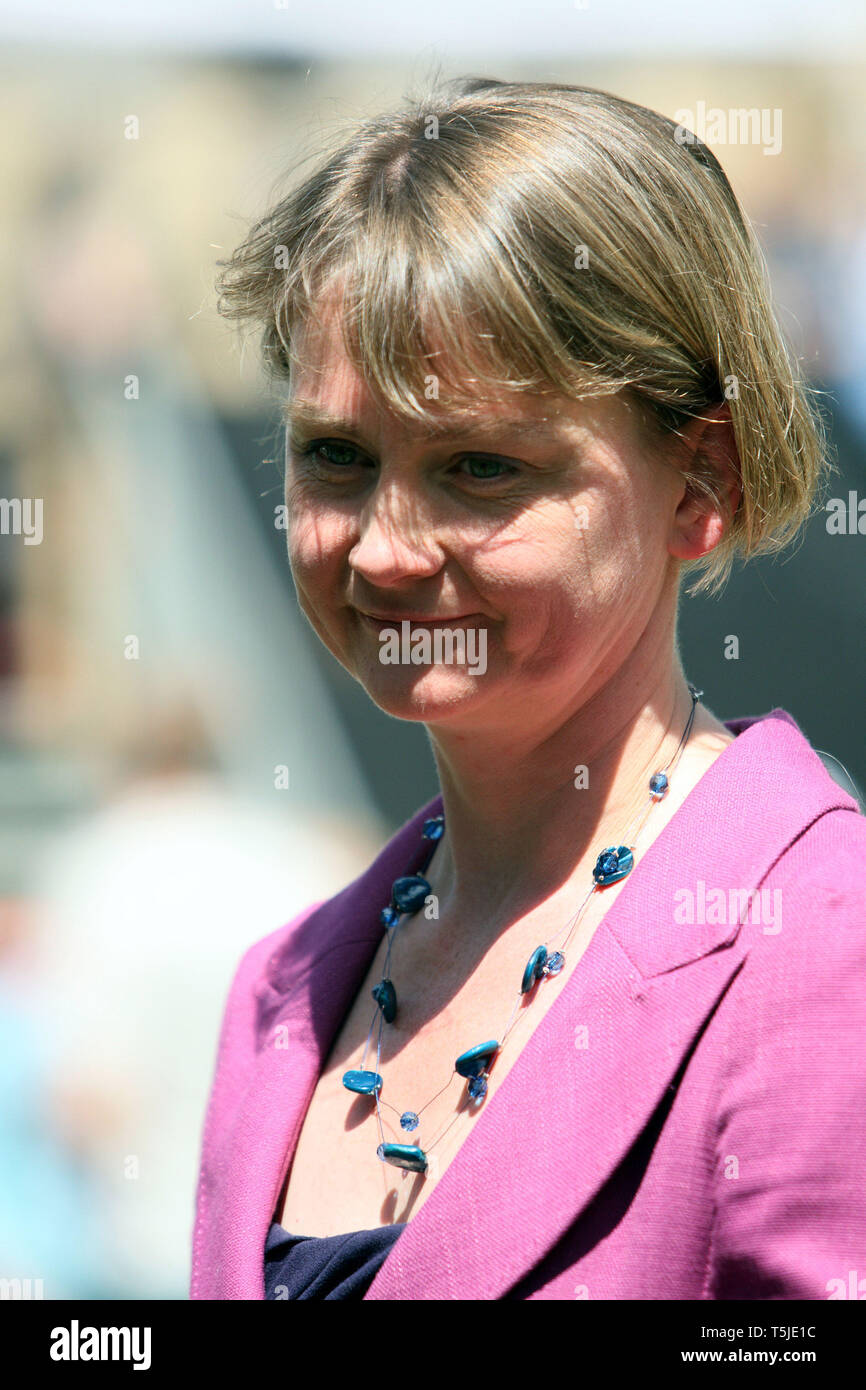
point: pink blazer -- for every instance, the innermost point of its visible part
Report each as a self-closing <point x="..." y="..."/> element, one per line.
<point x="688" y="1121"/>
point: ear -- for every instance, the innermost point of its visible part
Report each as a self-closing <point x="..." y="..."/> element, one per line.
<point x="709" y="448"/>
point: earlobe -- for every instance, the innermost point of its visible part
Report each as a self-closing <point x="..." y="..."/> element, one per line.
<point x="698" y="526"/>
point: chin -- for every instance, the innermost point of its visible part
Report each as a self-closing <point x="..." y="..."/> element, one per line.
<point x="432" y="695"/>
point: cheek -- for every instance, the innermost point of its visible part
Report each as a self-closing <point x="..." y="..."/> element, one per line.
<point x="551" y="554"/>
<point x="534" y="573"/>
<point x="618" y="538"/>
<point x="317" y="542"/>
<point x="571" y="571"/>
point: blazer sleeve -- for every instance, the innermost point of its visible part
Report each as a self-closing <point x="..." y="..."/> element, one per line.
<point x="790" y="1213"/>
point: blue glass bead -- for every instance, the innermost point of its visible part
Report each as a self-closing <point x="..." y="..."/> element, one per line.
<point x="475" y="1060"/>
<point x="658" y="785"/>
<point x="477" y="1087"/>
<point x="555" y="963"/>
<point x="613" y="864"/>
<point x="534" y="968"/>
<point x="389" y="916"/>
<point x="408" y="893"/>
<point x="434" y="828"/>
<point x="403" y="1156"/>
<point x="385" y="996"/>
<point x="409" y="1120"/>
<point x="364" y="1082"/>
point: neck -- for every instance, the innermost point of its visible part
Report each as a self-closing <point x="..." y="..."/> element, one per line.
<point x="516" y="826"/>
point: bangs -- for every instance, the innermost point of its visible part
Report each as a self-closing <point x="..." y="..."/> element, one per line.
<point x="423" y="325"/>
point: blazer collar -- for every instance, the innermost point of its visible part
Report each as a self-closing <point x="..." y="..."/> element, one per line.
<point x="641" y="991"/>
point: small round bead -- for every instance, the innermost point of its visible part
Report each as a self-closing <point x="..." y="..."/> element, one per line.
<point x="658" y="785"/>
<point x="409" y="893"/>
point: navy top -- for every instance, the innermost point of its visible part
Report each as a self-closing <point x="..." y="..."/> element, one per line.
<point x="325" y="1266"/>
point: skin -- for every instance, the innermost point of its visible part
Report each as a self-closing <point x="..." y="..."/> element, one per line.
<point x="582" y="668"/>
<point x="582" y="665"/>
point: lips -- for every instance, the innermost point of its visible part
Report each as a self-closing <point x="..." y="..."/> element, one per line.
<point x="394" y="620"/>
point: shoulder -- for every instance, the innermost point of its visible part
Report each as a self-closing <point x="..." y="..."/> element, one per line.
<point x="805" y="927"/>
<point x="796" y="823"/>
<point x="790" y="1086"/>
<point x="795" y="1016"/>
<point x="825" y="864"/>
<point x="796" y="1011"/>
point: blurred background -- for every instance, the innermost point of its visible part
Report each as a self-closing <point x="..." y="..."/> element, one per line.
<point x="182" y="767"/>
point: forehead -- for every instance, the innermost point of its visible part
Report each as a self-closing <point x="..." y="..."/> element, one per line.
<point x="317" y="414"/>
<point x="327" y="390"/>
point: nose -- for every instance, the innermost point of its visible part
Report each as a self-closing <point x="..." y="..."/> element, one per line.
<point x="396" y="540"/>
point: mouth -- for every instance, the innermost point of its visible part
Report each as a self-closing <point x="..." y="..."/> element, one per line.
<point x="457" y="620"/>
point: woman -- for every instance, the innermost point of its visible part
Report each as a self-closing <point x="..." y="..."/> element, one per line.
<point x="591" y="1024"/>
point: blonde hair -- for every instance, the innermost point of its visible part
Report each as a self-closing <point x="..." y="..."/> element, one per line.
<point x="552" y="238"/>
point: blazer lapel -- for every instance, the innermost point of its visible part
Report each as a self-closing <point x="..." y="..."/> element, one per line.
<point x="301" y="1000"/>
<point x="566" y="1114"/>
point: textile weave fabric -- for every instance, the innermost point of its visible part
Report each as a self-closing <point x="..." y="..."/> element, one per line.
<point x="686" y="1121"/>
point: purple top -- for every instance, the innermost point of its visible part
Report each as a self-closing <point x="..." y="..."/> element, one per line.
<point x="325" y="1266"/>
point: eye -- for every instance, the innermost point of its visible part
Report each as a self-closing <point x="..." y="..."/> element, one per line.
<point x="487" y="468"/>
<point x="338" y="456"/>
<point x="341" y="455"/>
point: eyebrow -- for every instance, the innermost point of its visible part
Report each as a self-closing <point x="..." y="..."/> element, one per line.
<point x="312" y="418"/>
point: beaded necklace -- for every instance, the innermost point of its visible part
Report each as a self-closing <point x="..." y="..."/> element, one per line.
<point x="408" y="895"/>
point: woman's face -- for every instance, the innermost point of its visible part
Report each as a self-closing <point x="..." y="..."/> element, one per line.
<point x="541" y="528"/>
